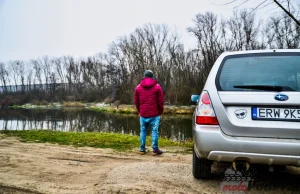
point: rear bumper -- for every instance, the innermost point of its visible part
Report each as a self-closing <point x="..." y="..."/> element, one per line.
<point x="210" y="142"/>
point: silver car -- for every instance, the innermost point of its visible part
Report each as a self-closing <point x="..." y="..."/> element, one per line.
<point x="249" y="111"/>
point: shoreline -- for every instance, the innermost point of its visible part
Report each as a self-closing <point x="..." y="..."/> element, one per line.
<point x="102" y="107"/>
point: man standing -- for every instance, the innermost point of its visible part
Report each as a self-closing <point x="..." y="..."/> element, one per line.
<point x="149" y="101"/>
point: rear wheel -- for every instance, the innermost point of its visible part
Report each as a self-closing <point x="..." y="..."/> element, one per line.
<point x="201" y="167"/>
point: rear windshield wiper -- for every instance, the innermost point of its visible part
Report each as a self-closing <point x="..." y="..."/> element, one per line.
<point x="266" y="87"/>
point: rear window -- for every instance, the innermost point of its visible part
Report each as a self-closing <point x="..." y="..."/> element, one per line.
<point x="236" y="73"/>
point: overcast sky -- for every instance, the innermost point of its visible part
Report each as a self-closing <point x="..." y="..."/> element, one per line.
<point x="34" y="28"/>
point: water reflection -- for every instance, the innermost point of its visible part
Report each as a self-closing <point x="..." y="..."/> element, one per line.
<point x="177" y="128"/>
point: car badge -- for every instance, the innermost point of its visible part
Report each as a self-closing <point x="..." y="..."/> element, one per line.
<point x="281" y="97"/>
<point x="241" y="113"/>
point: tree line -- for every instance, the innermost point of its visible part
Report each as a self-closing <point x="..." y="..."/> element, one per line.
<point x="114" y="75"/>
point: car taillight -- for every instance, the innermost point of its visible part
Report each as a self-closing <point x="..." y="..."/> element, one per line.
<point x="205" y="98"/>
<point x="205" y="114"/>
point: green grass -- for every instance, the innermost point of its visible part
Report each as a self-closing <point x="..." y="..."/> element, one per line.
<point x="14" y="107"/>
<point x="119" y="142"/>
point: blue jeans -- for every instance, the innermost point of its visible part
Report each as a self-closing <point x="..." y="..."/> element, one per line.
<point x="153" y="122"/>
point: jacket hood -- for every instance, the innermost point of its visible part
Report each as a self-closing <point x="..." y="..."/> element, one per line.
<point x="148" y="82"/>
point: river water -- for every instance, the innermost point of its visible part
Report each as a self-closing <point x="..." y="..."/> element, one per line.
<point x="177" y="128"/>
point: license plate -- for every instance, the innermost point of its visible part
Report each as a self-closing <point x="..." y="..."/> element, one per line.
<point x="277" y="114"/>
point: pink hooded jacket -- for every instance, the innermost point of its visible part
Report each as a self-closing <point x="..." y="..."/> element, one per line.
<point x="149" y="98"/>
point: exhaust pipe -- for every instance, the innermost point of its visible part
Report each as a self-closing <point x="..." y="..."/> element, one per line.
<point x="240" y="165"/>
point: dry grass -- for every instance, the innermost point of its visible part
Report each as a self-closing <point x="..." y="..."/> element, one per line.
<point x="178" y="110"/>
<point x="124" y="109"/>
<point x="128" y="109"/>
<point x="39" y="103"/>
<point x="73" y="104"/>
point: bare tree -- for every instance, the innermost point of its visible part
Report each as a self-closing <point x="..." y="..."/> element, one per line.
<point x="244" y="31"/>
<point x="179" y="72"/>
<point x="21" y="74"/>
<point x="38" y="74"/>
<point x="145" y="48"/>
<point x="3" y="76"/>
<point x="282" y="32"/>
<point x="14" y="73"/>
<point x="74" y="76"/>
<point x="209" y="34"/>
<point x="29" y="73"/>
<point x="46" y="72"/>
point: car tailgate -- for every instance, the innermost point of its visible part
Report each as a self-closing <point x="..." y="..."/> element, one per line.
<point x="237" y="114"/>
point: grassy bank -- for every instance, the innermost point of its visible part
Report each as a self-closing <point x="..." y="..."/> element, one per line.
<point x="101" y="107"/>
<point x="122" y="109"/>
<point x="119" y="142"/>
<point x="130" y="109"/>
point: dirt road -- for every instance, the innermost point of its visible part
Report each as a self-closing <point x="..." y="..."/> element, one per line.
<point x="47" y="168"/>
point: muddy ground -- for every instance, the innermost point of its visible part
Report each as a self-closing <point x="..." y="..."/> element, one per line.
<point x="47" y="168"/>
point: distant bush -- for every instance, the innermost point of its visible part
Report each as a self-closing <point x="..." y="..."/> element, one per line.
<point x="117" y="103"/>
<point x="44" y="102"/>
<point x="35" y="102"/>
<point x="23" y="98"/>
<point x="10" y="101"/>
<point x="73" y="104"/>
<point x="90" y="97"/>
<point x="70" y="98"/>
<point x="108" y="100"/>
<point x="39" y="103"/>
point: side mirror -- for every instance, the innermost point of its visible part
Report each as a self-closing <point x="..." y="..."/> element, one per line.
<point x="194" y="98"/>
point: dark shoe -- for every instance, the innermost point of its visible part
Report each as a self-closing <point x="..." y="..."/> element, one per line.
<point x="157" y="152"/>
<point x="142" y="152"/>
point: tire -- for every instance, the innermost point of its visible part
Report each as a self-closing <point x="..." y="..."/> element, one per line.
<point x="201" y="167"/>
